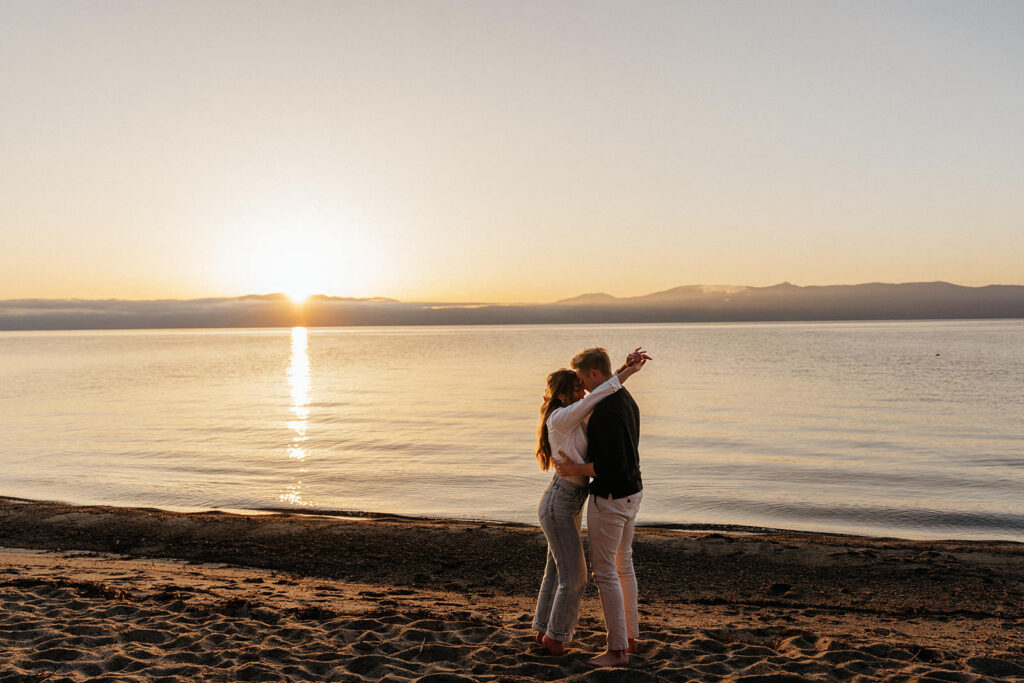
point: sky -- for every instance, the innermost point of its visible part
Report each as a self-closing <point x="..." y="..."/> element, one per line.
<point x="506" y="151"/>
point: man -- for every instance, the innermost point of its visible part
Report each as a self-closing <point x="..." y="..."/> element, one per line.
<point x="613" y="435"/>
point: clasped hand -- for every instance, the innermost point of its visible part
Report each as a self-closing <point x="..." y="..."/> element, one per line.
<point x="566" y="467"/>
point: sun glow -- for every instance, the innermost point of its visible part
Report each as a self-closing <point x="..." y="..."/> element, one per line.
<point x="298" y="296"/>
<point x="300" y="247"/>
<point x="298" y="272"/>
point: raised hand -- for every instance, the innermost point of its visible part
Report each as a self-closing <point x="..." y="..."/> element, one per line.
<point x="634" y="361"/>
<point x="637" y="356"/>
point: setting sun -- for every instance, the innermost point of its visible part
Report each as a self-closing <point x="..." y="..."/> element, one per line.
<point x="299" y="248"/>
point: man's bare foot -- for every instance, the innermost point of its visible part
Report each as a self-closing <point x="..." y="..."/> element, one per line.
<point x="610" y="658"/>
<point x="555" y="647"/>
<point x="632" y="646"/>
<point x="539" y="637"/>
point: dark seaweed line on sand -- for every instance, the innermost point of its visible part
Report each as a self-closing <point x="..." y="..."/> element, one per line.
<point x="843" y="573"/>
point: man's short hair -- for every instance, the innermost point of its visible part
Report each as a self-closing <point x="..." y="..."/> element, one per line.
<point x="595" y="358"/>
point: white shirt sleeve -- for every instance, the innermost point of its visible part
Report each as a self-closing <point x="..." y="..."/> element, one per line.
<point x="566" y="418"/>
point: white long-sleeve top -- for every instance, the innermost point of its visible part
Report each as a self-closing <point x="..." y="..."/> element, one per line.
<point x="567" y="426"/>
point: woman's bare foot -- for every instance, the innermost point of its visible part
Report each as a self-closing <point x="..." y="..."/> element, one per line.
<point x="632" y="646"/>
<point x="555" y="647"/>
<point x="610" y="658"/>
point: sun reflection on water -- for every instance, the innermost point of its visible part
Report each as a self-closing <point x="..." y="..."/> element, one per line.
<point x="293" y="494"/>
<point x="299" y="382"/>
<point x="298" y="375"/>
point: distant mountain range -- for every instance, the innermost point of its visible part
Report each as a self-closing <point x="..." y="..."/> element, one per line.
<point x="692" y="303"/>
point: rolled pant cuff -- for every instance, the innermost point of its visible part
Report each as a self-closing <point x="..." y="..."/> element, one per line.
<point x="560" y="637"/>
<point x="554" y="635"/>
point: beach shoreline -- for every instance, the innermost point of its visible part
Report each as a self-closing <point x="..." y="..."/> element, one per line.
<point x="693" y="527"/>
<point x="714" y="605"/>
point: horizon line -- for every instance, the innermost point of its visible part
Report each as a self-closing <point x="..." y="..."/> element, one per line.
<point x="472" y="302"/>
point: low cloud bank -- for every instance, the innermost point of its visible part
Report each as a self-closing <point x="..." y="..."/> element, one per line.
<point x="699" y="303"/>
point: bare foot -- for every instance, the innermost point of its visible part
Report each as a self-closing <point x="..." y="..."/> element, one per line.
<point x="555" y="647"/>
<point x="539" y="637"/>
<point x="610" y="658"/>
<point x="632" y="646"/>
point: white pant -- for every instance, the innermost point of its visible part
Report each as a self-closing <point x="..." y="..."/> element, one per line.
<point x="610" y="530"/>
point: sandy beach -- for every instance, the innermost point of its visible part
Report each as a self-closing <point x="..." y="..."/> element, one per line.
<point x="120" y="594"/>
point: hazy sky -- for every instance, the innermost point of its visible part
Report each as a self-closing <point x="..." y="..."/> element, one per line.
<point x="506" y="151"/>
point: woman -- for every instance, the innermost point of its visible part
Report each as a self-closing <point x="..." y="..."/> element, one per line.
<point x="563" y="429"/>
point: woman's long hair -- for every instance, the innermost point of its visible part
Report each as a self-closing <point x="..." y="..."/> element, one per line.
<point x="561" y="383"/>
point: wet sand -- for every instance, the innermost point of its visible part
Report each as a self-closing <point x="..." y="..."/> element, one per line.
<point x="99" y="593"/>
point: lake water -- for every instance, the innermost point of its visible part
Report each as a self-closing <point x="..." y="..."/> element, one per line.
<point x="910" y="429"/>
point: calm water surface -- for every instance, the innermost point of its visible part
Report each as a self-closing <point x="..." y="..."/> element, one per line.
<point x="909" y="429"/>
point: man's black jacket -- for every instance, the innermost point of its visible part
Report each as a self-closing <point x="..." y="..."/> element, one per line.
<point x="613" y="435"/>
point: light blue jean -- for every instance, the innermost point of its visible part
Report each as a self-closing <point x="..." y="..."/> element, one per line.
<point x="565" y="573"/>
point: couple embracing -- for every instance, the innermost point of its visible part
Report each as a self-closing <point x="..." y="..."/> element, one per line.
<point x="592" y="442"/>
